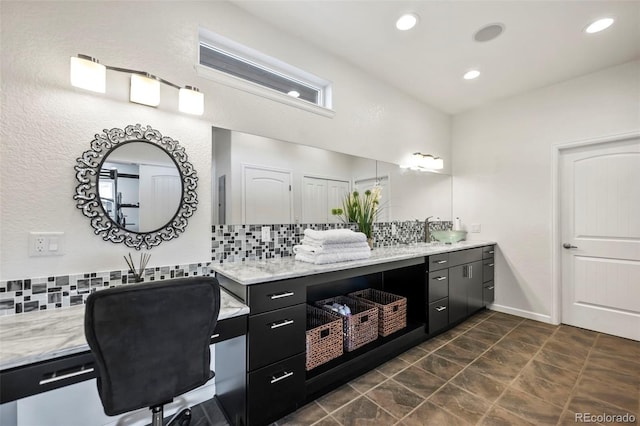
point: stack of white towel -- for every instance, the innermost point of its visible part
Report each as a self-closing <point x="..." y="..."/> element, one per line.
<point x="335" y="245"/>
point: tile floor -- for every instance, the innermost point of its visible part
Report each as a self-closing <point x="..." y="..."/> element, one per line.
<point x="493" y="369"/>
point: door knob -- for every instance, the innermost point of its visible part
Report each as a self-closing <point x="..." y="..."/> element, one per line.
<point x="568" y="246"/>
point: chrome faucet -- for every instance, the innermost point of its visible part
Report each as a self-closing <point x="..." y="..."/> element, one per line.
<point x="427" y="232"/>
<point x="427" y="236"/>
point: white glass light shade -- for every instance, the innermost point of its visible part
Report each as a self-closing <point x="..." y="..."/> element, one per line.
<point x="438" y="163"/>
<point x="191" y="101"/>
<point x="144" y="90"/>
<point x="87" y="73"/>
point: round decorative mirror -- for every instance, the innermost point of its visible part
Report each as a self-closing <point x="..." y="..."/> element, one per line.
<point x="136" y="186"/>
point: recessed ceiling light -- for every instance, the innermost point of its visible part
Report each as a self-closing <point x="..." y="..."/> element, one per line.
<point x="407" y="21"/>
<point x="488" y="32"/>
<point x="470" y="75"/>
<point x="294" y="93"/>
<point x="599" y="25"/>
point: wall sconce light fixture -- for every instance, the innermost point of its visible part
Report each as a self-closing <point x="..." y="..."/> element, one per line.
<point x="87" y="73"/>
<point x="424" y="162"/>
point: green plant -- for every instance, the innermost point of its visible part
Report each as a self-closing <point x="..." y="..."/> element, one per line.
<point x="361" y="210"/>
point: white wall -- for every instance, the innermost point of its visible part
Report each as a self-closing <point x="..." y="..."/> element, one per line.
<point x="502" y="156"/>
<point x="46" y="123"/>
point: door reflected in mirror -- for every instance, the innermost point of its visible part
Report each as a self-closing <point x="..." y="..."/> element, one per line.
<point x="140" y="187"/>
<point x="259" y="180"/>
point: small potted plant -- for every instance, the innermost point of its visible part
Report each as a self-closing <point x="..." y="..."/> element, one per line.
<point x="361" y="210"/>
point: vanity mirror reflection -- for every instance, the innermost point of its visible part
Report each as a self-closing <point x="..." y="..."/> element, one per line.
<point x="136" y="186"/>
<point x="260" y="180"/>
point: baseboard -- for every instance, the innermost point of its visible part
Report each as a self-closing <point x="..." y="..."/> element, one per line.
<point x="521" y="313"/>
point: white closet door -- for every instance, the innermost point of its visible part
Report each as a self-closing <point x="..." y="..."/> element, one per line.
<point x="336" y="191"/>
<point x="266" y="196"/>
<point x="314" y="200"/>
<point x="600" y="222"/>
<point x="160" y="196"/>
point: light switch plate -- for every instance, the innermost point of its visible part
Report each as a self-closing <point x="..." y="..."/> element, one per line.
<point x="475" y="227"/>
<point x="394" y="229"/>
<point x="266" y="234"/>
<point x="46" y="244"/>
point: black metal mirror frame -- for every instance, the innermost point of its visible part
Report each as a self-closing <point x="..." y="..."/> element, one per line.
<point x="88" y="199"/>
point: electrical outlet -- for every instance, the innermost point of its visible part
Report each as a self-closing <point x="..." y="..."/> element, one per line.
<point x="266" y="234"/>
<point x="394" y="229"/>
<point x="46" y="243"/>
<point x="475" y="227"/>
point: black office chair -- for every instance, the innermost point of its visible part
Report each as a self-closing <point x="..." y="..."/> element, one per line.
<point x="151" y="342"/>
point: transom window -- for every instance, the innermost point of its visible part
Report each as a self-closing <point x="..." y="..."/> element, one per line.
<point x="242" y="62"/>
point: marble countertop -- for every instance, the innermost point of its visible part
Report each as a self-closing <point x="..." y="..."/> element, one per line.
<point x="260" y="271"/>
<point x="42" y="335"/>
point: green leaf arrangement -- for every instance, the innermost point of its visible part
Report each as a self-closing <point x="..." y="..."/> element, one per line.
<point x="360" y="209"/>
<point x="137" y="274"/>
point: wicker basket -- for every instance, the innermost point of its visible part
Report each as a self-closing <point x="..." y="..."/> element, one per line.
<point x="324" y="336"/>
<point x="359" y="328"/>
<point x="392" y="309"/>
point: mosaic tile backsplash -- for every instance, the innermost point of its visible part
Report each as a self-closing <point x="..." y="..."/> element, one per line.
<point x="238" y="243"/>
<point x="34" y="294"/>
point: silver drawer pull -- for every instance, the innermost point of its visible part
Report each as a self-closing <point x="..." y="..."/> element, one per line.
<point x="441" y="308"/>
<point x="281" y="295"/>
<point x="66" y="376"/>
<point x="440" y="278"/>
<point x="275" y="379"/>
<point x="281" y="324"/>
<point x="440" y="262"/>
<point x="490" y="288"/>
<point x="215" y="336"/>
<point x="489" y="264"/>
<point x="491" y="252"/>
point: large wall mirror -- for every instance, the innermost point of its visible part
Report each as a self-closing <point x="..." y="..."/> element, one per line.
<point x="136" y="186"/>
<point x="259" y="180"/>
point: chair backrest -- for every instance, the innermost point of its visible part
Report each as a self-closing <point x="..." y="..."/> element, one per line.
<point x="151" y="341"/>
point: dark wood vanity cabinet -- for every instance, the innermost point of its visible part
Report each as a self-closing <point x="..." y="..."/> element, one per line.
<point x="276" y="348"/>
<point x="488" y="267"/>
<point x="459" y="283"/>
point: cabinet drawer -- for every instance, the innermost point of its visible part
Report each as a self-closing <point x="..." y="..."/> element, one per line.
<point x="276" y="335"/>
<point x="275" y="390"/>
<point x="465" y="256"/>
<point x="488" y="293"/>
<point x="438" y="261"/>
<point x="276" y="295"/>
<point x="44" y="376"/>
<point x="229" y="328"/>
<point x="438" y="284"/>
<point x="438" y="315"/>
<point x="487" y="270"/>
<point x="488" y="251"/>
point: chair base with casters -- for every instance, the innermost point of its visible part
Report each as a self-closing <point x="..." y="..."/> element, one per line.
<point x="151" y="342"/>
<point x="182" y="417"/>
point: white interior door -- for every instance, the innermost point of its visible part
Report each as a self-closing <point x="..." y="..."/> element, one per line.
<point x="266" y="196"/>
<point x="336" y="191"/>
<point x="314" y="200"/>
<point x="160" y="194"/>
<point x="600" y="226"/>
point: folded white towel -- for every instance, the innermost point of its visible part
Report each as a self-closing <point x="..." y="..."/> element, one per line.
<point x="319" y="259"/>
<point x="335" y="236"/>
<point x="331" y="248"/>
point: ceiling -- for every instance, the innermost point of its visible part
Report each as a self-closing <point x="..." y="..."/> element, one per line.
<point x="543" y="42"/>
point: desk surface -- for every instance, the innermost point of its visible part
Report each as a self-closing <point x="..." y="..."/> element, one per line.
<point x="261" y="271"/>
<point x="43" y="335"/>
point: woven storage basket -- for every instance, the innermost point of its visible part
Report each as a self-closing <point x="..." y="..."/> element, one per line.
<point x="359" y="328"/>
<point x="324" y="336"/>
<point x="392" y="309"/>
